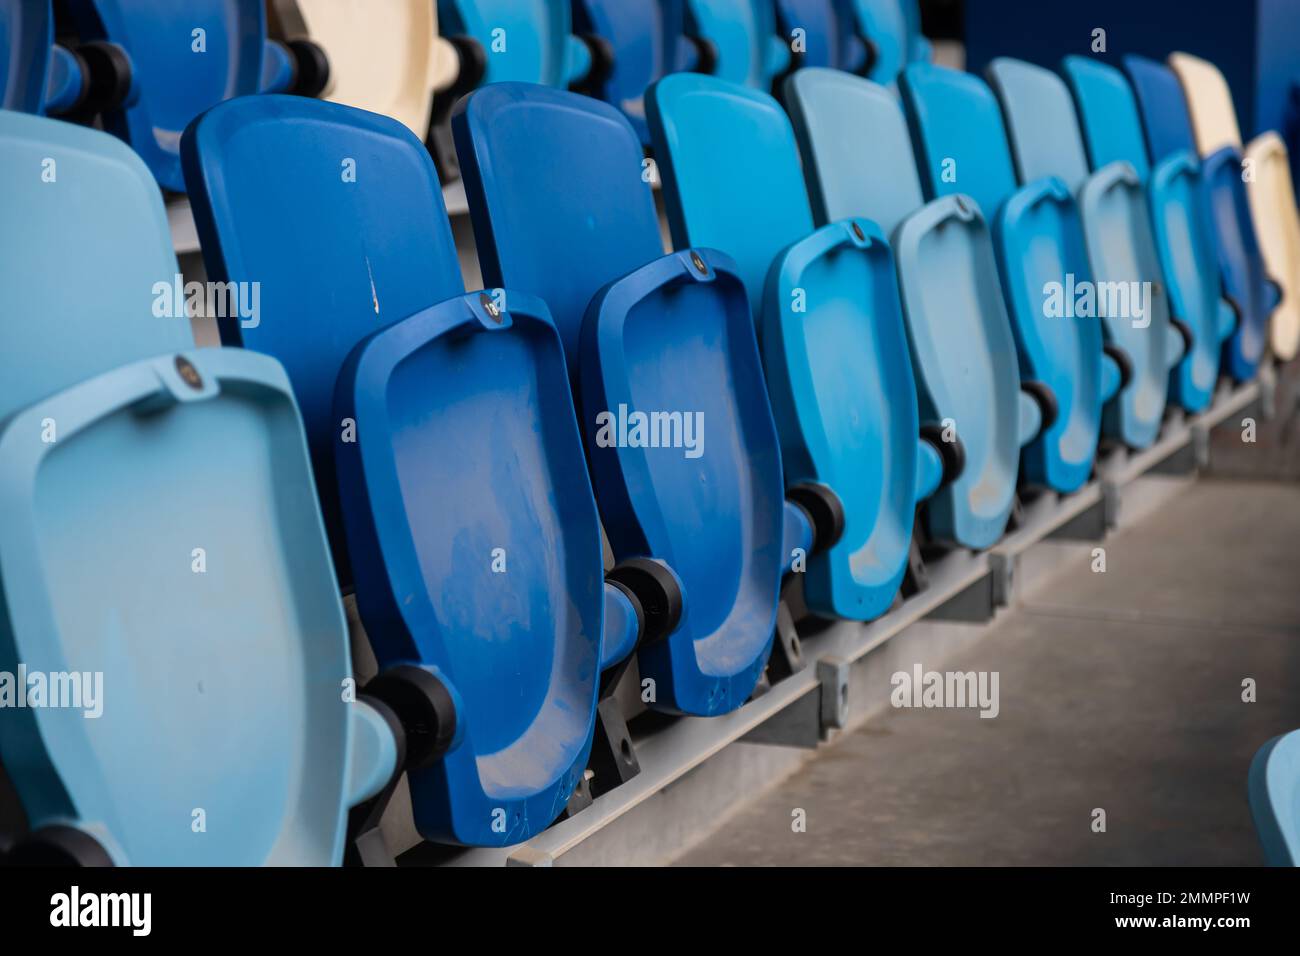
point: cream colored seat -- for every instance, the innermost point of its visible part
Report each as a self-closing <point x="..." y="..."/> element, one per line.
<point x="1268" y="184"/>
<point x="384" y="55"/>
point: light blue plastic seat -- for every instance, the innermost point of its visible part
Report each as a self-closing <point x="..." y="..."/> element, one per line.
<point x="1274" y="785"/>
<point x="188" y="586"/>
<point x="560" y="210"/>
<point x="830" y="327"/>
<point x="184" y="58"/>
<point x="471" y="530"/>
<point x="529" y="41"/>
<point x="1113" y="132"/>
<point x="858" y="161"/>
<point x="958" y="130"/>
<point x="891" y="32"/>
<point x="741" y="39"/>
<point x="1130" y="291"/>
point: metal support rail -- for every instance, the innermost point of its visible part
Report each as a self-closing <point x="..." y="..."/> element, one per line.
<point x="964" y="586"/>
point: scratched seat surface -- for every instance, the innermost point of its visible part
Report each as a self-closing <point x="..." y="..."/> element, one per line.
<point x="192" y="575"/>
<point x="470" y="526"/>
<point x="1275" y="798"/>
<point x="743" y="38"/>
<point x="1040" y="245"/>
<point x="560" y="211"/>
<point x="1112" y="130"/>
<point x="1130" y="293"/>
<point x="859" y="162"/>
<point x="530" y="41"/>
<point x="383" y="57"/>
<point x="1269" y="190"/>
<point x="830" y="326"/>
<point x="184" y="59"/>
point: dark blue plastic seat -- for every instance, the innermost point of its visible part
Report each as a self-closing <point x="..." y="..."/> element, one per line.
<point x="1275" y="798"/>
<point x="471" y="530"/>
<point x="190" y="579"/>
<point x="1130" y="294"/>
<point x="858" y="161"/>
<point x="184" y="58"/>
<point x="1246" y="286"/>
<point x="741" y="39"/>
<point x="825" y="28"/>
<point x="643" y="43"/>
<point x="1113" y="132"/>
<point x="560" y="210"/>
<point x="830" y="326"/>
<point x="1040" y="246"/>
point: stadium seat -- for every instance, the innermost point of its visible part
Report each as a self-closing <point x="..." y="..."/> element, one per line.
<point x="1246" y="286"/>
<point x="42" y="77"/>
<point x="180" y="60"/>
<point x="475" y="550"/>
<point x="738" y="40"/>
<point x="891" y="33"/>
<point x="187" y="588"/>
<point x="1275" y="798"/>
<point x="1112" y="130"/>
<point x="530" y="41"/>
<point x="858" y="160"/>
<point x="821" y="34"/>
<point x="562" y="209"/>
<point x="380" y="55"/>
<point x="1269" y="190"/>
<point x="1046" y="140"/>
<point x="830" y="328"/>
<point x="1040" y="247"/>
<point x="637" y="43"/>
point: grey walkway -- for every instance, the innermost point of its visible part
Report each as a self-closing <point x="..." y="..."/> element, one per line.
<point x="1120" y="691"/>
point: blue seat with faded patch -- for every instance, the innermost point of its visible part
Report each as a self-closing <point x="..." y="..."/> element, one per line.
<point x="1112" y="130"/>
<point x="1130" y="293"/>
<point x="561" y="210"/>
<point x="458" y="468"/>
<point x="529" y="41"/>
<point x="183" y="58"/>
<point x="188" y="586"/>
<point x="858" y="161"/>
<point x="830" y="326"/>
<point x="740" y="39"/>
<point x="1274" y="787"/>
<point x="1041" y="254"/>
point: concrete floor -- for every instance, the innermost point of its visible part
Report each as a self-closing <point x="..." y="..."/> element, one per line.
<point x="1120" y="691"/>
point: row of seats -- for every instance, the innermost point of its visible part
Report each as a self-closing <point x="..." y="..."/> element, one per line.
<point x="867" y="337"/>
<point x="412" y="59"/>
